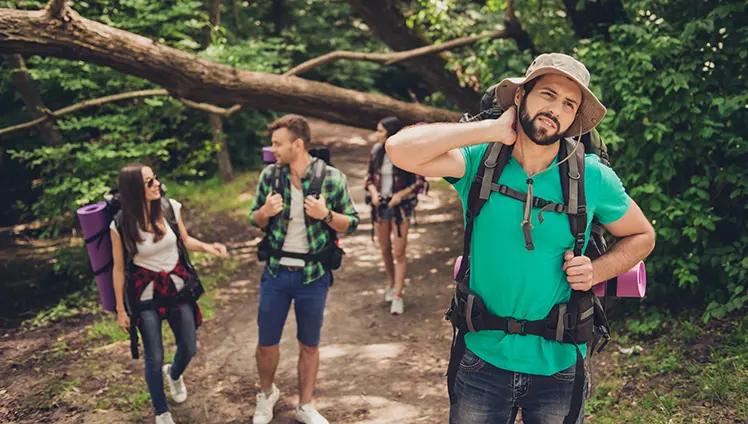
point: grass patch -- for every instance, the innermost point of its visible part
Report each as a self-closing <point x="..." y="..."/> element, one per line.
<point x="212" y="270"/>
<point x="107" y="330"/>
<point x="669" y="382"/>
<point x="215" y="195"/>
<point x="51" y="395"/>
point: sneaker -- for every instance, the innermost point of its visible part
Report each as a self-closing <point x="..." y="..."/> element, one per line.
<point x="177" y="389"/>
<point x="308" y="414"/>
<point x="164" y="418"/>
<point x="389" y="295"/>
<point x="265" y="405"/>
<point x="398" y="306"/>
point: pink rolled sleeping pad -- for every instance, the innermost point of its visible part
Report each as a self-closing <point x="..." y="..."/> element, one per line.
<point x="94" y="219"/>
<point x="632" y="283"/>
<point x="457" y="267"/>
<point x="267" y="157"/>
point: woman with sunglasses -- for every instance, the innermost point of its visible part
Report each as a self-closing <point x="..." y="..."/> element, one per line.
<point x="145" y="247"/>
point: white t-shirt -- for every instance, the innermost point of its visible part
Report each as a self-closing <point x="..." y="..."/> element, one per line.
<point x="388" y="176"/>
<point x="296" y="238"/>
<point x="161" y="256"/>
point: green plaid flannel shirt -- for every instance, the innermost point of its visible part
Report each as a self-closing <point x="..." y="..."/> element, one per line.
<point x="337" y="197"/>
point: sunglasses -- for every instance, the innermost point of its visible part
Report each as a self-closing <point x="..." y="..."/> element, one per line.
<point x="149" y="181"/>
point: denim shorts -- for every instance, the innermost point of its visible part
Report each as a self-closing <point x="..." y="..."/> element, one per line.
<point x="276" y="294"/>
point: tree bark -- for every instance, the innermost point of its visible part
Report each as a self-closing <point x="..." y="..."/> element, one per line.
<point x="216" y="122"/>
<point x="280" y="16"/>
<point x="200" y="80"/>
<point x="31" y="98"/>
<point x="388" y="24"/>
<point x="222" y="153"/>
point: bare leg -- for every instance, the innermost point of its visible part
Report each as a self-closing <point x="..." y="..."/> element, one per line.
<point x="267" y="363"/>
<point x="382" y="230"/>
<point x="308" y="366"/>
<point x="401" y="264"/>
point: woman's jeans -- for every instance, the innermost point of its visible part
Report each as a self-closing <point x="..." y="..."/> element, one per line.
<point x="182" y="323"/>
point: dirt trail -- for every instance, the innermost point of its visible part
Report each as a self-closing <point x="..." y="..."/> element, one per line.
<point x="375" y="367"/>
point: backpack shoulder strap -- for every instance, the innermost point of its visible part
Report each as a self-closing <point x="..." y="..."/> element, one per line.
<point x="277" y="174"/>
<point x="572" y="185"/>
<point x="492" y="164"/>
<point x="319" y="171"/>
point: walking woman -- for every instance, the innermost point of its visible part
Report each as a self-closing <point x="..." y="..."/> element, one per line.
<point x="392" y="195"/>
<point x="161" y="284"/>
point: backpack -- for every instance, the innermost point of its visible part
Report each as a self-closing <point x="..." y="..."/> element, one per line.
<point x="582" y="319"/>
<point x="193" y="287"/>
<point x="331" y="256"/>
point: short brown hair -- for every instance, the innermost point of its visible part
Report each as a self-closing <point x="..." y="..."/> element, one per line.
<point x="296" y="124"/>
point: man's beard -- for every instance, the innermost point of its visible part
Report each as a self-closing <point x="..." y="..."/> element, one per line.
<point x="538" y="134"/>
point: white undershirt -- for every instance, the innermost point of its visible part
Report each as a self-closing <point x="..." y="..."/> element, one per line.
<point x="296" y="238"/>
<point x="161" y="256"/>
<point x="388" y="177"/>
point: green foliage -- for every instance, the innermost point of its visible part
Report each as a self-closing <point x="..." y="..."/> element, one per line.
<point x="77" y="174"/>
<point x="681" y="112"/>
<point x="649" y="325"/>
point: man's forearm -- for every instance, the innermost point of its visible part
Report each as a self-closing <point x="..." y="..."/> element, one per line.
<point x="340" y="222"/>
<point x="626" y="253"/>
<point x="260" y="219"/>
<point x="417" y="145"/>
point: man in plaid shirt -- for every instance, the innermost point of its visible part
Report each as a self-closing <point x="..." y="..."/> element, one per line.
<point x="299" y="223"/>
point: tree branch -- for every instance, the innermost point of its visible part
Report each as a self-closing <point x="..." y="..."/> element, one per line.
<point x="195" y="79"/>
<point x="32" y="99"/>
<point x="394" y="57"/>
<point x="83" y="105"/>
<point x="235" y="9"/>
<point x="48" y="114"/>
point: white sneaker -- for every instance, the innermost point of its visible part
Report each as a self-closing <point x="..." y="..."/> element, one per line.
<point x="177" y="389"/>
<point x="389" y="295"/>
<point x="308" y="414"/>
<point x="398" y="306"/>
<point x="164" y="418"/>
<point x="265" y="405"/>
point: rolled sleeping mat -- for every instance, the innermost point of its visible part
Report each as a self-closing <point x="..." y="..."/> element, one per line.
<point x="95" y="221"/>
<point x="632" y="283"/>
<point x="267" y="156"/>
<point x="458" y="262"/>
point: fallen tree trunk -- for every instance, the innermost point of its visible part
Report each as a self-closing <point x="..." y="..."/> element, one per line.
<point x="68" y="35"/>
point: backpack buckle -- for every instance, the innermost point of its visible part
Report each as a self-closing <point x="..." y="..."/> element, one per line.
<point x="516" y="327"/>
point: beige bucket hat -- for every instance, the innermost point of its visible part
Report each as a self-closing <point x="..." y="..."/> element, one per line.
<point x="590" y="113"/>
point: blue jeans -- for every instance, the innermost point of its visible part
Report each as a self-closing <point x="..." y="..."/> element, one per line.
<point x="182" y="323"/>
<point x="488" y="395"/>
<point x="309" y="300"/>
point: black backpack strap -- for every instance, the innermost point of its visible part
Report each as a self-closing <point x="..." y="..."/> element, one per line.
<point x="492" y="164"/>
<point x="572" y="185"/>
<point x="319" y="171"/>
<point x="277" y="172"/>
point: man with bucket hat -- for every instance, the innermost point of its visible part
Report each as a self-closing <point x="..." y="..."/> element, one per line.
<point x="523" y="305"/>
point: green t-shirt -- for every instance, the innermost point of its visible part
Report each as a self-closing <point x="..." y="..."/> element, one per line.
<point x="522" y="284"/>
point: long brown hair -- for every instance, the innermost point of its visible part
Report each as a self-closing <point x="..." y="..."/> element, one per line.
<point x="393" y="125"/>
<point x="133" y="206"/>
